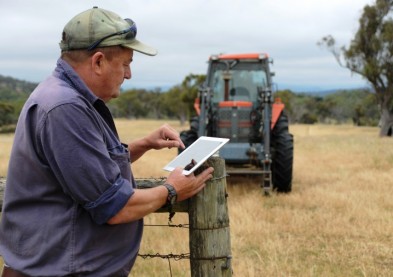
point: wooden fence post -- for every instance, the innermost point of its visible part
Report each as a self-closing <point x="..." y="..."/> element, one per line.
<point x="210" y="246"/>
<point x="2" y="188"/>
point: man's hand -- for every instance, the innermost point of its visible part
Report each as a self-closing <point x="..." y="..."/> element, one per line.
<point x="164" y="137"/>
<point x="187" y="186"/>
<point x="146" y="201"/>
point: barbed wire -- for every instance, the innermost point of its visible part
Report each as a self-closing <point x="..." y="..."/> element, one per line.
<point x="168" y="257"/>
<point x="184" y="256"/>
<point x="220" y="177"/>
<point x="186" y="226"/>
<point x="181" y="256"/>
<point x="175" y="257"/>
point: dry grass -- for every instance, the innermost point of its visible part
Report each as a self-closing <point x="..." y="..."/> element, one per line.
<point x="5" y="151"/>
<point x="338" y="221"/>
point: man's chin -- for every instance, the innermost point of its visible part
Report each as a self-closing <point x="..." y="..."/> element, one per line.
<point x="115" y="95"/>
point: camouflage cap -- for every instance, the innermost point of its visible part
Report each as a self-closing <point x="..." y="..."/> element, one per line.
<point x="100" y="28"/>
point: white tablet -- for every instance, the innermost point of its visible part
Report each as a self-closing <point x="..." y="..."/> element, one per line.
<point x="196" y="154"/>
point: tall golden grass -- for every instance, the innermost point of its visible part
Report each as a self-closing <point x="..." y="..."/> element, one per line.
<point x="337" y="221"/>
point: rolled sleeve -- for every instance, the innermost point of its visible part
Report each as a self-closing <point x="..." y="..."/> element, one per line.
<point x="110" y="202"/>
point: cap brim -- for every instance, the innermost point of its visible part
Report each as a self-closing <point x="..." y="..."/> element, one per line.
<point x="140" y="47"/>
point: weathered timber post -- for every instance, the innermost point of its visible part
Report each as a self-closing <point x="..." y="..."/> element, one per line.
<point x="2" y="188"/>
<point x="210" y="246"/>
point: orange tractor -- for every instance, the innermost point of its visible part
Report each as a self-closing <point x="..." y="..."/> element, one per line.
<point x="236" y="102"/>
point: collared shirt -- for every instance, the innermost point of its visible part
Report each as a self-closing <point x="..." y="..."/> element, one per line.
<point x="68" y="175"/>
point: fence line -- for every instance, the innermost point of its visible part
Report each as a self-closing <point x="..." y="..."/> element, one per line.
<point x="210" y="246"/>
<point x="209" y="243"/>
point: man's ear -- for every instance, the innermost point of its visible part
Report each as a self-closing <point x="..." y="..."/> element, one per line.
<point x="97" y="62"/>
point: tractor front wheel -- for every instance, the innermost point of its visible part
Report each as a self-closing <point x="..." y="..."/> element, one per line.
<point x="282" y="155"/>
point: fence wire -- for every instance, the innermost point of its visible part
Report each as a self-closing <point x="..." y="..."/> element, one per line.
<point x="170" y="256"/>
<point x="180" y="256"/>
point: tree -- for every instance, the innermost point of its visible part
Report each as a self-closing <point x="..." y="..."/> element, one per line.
<point x="6" y="114"/>
<point x="175" y="105"/>
<point x="130" y="104"/>
<point x="370" y="55"/>
<point x="180" y="99"/>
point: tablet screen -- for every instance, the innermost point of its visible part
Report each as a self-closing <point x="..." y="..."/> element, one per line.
<point x="196" y="154"/>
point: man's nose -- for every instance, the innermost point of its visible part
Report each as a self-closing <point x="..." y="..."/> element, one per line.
<point x="127" y="74"/>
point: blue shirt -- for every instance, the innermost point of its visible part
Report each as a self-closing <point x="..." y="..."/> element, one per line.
<point x="68" y="175"/>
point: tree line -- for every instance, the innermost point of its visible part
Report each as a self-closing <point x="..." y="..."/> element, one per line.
<point x="13" y="94"/>
<point x="176" y="103"/>
<point x="358" y="106"/>
<point x="346" y="106"/>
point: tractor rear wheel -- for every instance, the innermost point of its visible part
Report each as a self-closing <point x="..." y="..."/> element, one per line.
<point x="282" y="155"/>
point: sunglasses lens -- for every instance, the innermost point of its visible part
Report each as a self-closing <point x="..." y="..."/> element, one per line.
<point x="131" y="34"/>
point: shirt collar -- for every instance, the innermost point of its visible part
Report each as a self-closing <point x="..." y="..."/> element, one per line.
<point x="65" y="72"/>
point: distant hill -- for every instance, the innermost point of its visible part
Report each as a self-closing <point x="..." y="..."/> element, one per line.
<point x="318" y="91"/>
<point x="324" y="93"/>
<point x="14" y="89"/>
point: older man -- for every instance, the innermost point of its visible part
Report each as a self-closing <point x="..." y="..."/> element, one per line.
<point x="71" y="206"/>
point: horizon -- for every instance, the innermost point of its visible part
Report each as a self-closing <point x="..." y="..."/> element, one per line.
<point x="278" y="87"/>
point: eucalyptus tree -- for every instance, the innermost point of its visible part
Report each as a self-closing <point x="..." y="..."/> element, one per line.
<point x="370" y="54"/>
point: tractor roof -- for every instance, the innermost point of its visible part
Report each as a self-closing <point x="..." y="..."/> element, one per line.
<point x="244" y="56"/>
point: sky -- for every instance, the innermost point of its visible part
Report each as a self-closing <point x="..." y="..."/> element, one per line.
<point x="187" y="32"/>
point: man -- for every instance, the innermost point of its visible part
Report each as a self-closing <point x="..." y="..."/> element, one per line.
<point x="71" y="207"/>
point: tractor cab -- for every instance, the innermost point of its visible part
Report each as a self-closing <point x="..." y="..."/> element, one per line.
<point x="237" y="77"/>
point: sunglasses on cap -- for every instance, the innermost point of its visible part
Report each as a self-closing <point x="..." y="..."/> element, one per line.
<point x="131" y="34"/>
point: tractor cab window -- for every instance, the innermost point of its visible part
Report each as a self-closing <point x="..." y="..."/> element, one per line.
<point x="238" y="84"/>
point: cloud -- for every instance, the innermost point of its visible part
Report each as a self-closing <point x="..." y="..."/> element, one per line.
<point x="187" y="32"/>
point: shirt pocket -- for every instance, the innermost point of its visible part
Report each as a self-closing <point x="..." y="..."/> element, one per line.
<point x="121" y="156"/>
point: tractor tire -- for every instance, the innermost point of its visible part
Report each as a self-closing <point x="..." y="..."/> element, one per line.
<point x="282" y="155"/>
<point x="188" y="137"/>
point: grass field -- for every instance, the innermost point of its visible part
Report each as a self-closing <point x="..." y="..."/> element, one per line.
<point x="338" y="220"/>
